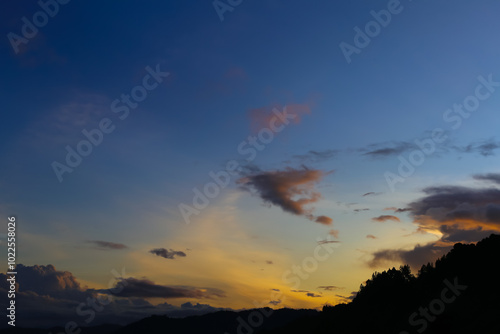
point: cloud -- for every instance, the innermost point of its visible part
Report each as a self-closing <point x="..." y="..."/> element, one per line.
<point x="456" y="204"/>
<point x="269" y="262"/>
<point x="312" y="295"/>
<point x="307" y="293"/>
<point x="316" y="156"/>
<point x="402" y="210"/>
<point x="328" y="242"/>
<point x="359" y="210"/>
<point x="275" y="302"/>
<point x="47" y="281"/>
<point x="492" y="177"/>
<point x="144" y="288"/>
<point x="485" y="148"/>
<point x="329" y="287"/>
<point x="453" y="234"/>
<point x="454" y="213"/>
<point x="334" y="233"/>
<point x="371" y="236"/>
<point x="350" y="297"/>
<point x="387" y="149"/>
<point x="167" y="254"/>
<point x="384" y="218"/>
<point x="106" y="245"/>
<point x="48" y="297"/>
<point x="290" y="189"/>
<point x="265" y="117"/>
<point x="415" y="257"/>
<point x="371" y="193"/>
<point x="324" y="220"/>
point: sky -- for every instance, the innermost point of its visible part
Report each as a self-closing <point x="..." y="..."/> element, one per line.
<point x="206" y="155"/>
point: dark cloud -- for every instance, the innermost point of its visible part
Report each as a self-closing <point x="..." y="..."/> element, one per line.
<point x="167" y="254"/>
<point x="329" y="287"/>
<point x="47" y="281"/>
<point x="397" y="210"/>
<point x="454" y="234"/>
<point x="459" y="214"/>
<point x="143" y="288"/>
<point x="290" y="189"/>
<point x="105" y="245"/>
<point x="269" y="262"/>
<point x="359" y="210"/>
<point x="48" y="297"/>
<point x="415" y="257"/>
<point x="316" y="156"/>
<point x="455" y="203"/>
<point x="313" y="295"/>
<point x="371" y="193"/>
<point x="371" y="236"/>
<point x="384" y="218"/>
<point x="275" y="302"/>
<point x="491" y="177"/>
<point x="307" y="293"/>
<point x="485" y="148"/>
<point x="350" y="297"/>
<point x="400" y="210"/>
<point x="387" y="149"/>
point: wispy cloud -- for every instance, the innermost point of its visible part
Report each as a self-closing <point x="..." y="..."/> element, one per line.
<point x="316" y="156"/>
<point x="371" y="193"/>
<point x="384" y="218"/>
<point x="106" y="245"/>
<point x="386" y="149"/>
<point x="329" y="287"/>
<point x="485" y="148"/>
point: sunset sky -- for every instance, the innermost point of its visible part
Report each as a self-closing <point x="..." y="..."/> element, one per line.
<point x="342" y="178"/>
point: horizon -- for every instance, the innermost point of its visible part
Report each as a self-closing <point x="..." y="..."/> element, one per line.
<point x="183" y="158"/>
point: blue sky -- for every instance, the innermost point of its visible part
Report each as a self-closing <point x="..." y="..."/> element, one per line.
<point x="225" y="78"/>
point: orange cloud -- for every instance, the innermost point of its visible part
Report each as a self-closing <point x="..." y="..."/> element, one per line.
<point x="385" y="218"/>
<point x="290" y="189"/>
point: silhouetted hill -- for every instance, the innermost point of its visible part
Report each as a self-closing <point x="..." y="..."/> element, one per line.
<point x="222" y="322"/>
<point x="102" y="329"/>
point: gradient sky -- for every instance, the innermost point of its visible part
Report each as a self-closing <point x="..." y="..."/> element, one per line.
<point x="353" y="123"/>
